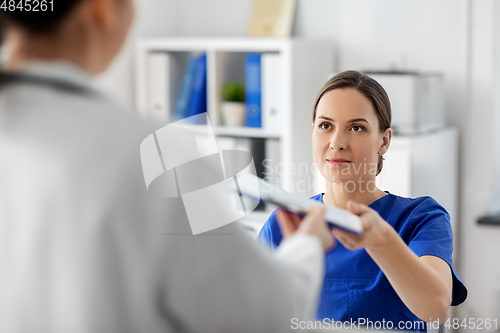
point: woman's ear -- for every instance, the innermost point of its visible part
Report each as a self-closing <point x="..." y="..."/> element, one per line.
<point x="386" y="142"/>
<point x="104" y="13"/>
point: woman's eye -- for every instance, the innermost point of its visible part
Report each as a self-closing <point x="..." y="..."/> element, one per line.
<point x="356" y="128"/>
<point x="325" y="126"/>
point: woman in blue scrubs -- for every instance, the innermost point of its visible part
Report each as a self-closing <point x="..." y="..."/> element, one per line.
<point x="401" y="269"/>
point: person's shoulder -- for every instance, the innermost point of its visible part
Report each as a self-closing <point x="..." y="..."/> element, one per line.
<point x="420" y="206"/>
<point x="416" y="202"/>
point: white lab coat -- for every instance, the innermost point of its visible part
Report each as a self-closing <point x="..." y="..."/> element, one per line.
<point x="85" y="248"/>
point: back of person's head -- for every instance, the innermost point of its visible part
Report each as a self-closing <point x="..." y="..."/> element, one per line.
<point x="88" y="33"/>
<point x="37" y="22"/>
<point x="34" y="22"/>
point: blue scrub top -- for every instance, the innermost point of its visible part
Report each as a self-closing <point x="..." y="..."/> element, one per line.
<point x="355" y="287"/>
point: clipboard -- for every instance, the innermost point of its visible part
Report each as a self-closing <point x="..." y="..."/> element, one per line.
<point x="336" y="217"/>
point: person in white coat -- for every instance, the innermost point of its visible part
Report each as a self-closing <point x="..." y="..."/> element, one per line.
<point x="83" y="247"/>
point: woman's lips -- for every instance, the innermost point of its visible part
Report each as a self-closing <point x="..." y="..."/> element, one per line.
<point x="337" y="161"/>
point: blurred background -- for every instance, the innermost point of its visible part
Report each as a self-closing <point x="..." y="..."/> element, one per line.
<point x="459" y="39"/>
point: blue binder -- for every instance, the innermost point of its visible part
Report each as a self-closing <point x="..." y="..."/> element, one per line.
<point x="253" y="90"/>
<point x="182" y="104"/>
<point x="198" y="100"/>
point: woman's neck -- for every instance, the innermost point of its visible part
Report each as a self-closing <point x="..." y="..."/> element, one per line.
<point x="24" y="47"/>
<point x="337" y="194"/>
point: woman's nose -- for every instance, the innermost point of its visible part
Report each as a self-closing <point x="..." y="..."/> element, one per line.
<point x="337" y="141"/>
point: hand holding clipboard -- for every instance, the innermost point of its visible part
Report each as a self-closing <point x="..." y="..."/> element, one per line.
<point x="336" y="217"/>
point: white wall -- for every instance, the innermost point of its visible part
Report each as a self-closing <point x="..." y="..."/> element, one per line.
<point x="452" y="36"/>
<point x="479" y="244"/>
<point x="153" y="18"/>
<point x="410" y="34"/>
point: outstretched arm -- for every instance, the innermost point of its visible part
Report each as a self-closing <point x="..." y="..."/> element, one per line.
<point x="424" y="284"/>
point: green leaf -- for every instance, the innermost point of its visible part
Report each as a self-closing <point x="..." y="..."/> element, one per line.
<point x="234" y="92"/>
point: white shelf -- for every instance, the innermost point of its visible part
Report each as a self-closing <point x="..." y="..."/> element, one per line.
<point x="248" y="132"/>
<point x="238" y="132"/>
<point x="248" y="44"/>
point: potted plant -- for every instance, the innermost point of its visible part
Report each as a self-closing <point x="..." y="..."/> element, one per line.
<point x="233" y="105"/>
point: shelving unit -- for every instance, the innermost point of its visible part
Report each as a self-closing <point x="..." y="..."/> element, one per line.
<point x="246" y="132"/>
<point x="304" y="64"/>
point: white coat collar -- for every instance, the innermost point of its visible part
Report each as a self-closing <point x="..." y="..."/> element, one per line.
<point x="58" y="70"/>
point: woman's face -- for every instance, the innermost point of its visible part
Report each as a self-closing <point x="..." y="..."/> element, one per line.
<point x="346" y="137"/>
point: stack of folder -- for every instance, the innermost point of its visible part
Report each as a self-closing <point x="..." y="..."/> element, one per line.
<point x="175" y="95"/>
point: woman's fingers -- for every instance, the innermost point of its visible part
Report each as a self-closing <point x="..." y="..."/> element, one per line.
<point x="349" y="241"/>
<point x="357" y="208"/>
<point x="363" y="212"/>
<point x="338" y="236"/>
<point x="286" y="223"/>
<point x="296" y="219"/>
<point x="314" y="224"/>
<point x="315" y="215"/>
